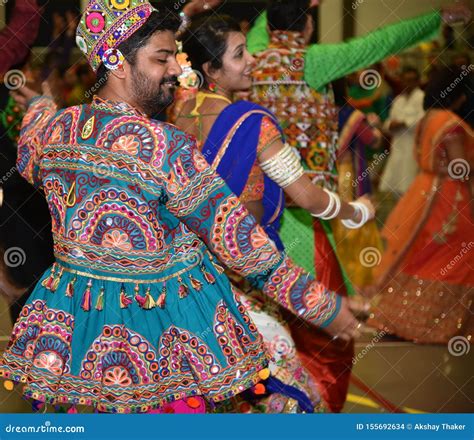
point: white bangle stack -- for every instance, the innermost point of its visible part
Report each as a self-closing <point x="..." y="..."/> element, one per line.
<point x="333" y="209"/>
<point x="365" y="216"/>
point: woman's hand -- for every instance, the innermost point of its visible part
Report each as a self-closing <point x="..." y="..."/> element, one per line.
<point x="365" y="200"/>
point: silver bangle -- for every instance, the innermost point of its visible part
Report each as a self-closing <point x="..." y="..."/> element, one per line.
<point x="365" y="216"/>
<point x="333" y="209"/>
<point x="330" y="206"/>
<point x="284" y="167"/>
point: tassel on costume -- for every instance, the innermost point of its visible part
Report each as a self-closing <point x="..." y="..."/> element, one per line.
<point x="183" y="290"/>
<point x="100" y="300"/>
<point x="125" y="300"/>
<point x="86" y="297"/>
<point x="47" y="282"/>
<point x="72" y="410"/>
<point x="56" y="280"/>
<point x="162" y="298"/>
<point x="207" y="275"/>
<point x="195" y="284"/>
<point x="149" y="301"/>
<point x="138" y="298"/>
<point x="216" y="265"/>
<point x="70" y="287"/>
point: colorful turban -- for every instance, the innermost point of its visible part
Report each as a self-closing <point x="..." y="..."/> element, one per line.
<point x="105" y="24"/>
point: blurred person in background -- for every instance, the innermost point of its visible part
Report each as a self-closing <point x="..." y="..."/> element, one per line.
<point x="425" y="278"/>
<point x="406" y="111"/>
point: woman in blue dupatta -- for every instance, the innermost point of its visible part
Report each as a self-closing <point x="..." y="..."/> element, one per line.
<point x="241" y="140"/>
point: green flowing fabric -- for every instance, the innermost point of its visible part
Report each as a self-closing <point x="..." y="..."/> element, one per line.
<point x="326" y="62"/>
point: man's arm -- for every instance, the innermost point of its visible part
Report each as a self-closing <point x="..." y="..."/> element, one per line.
<point x="326" y="62"/>
<point x="20" y="33"/>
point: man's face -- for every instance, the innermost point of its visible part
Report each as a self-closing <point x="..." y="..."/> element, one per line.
<point x="410" y="81"/>
<point x="154" y="75"/>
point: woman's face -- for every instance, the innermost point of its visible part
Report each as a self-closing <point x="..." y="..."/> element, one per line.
<point x="235" y="75"/>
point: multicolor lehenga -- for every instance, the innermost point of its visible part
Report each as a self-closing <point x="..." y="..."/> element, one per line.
<point x="136" y="311"/>
<point x="426" y="278"/>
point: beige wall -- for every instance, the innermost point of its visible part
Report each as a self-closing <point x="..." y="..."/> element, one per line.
<point x="330" y="21"/>
<point x="371" y="14"/>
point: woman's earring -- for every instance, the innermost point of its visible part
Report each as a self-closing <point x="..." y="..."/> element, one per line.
<point x="213" y="87"/>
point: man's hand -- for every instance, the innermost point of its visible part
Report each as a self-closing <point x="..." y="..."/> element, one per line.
<point x="195" y="7"/>
<point x="24" y="94"/>
<point x="458" y="12"/>
<point x="344" y="326"/>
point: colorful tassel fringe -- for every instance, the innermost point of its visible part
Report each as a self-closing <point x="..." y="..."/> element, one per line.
<point x="100" y="300"/>
<point x="162" y="298"/>
<point x="70" y="287"/>
<point x="86" y="297"/>
<point x="183" y="290"/>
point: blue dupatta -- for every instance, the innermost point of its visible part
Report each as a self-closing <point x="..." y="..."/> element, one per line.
<point x="231" y="148"/>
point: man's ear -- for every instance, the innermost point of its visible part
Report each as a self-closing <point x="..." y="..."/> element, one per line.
<point x="122" y="71"/>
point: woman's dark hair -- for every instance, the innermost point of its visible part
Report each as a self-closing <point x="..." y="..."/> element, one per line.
<point x="288" y="15"/>
<point x="164" y="20"/>
<point x="206" y="40"/>
<point x="445" y="87"/>
<point x="339" y="87"/>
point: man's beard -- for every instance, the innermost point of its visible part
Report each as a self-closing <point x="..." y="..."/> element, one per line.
<point x="153" y="97"/>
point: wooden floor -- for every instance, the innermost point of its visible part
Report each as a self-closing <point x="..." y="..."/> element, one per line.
<point x="413" y="377"/>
